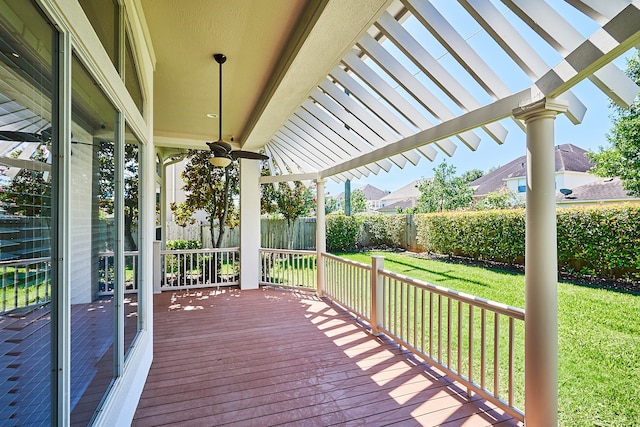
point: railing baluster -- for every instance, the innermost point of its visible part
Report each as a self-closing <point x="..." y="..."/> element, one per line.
<point x="440" y="328"/>
<point x="483" y="347"/>
<point x="415" y="317"/>
<point x="422" y="320"/>
<point x="4" y="289"/>
<point x="511" y="339"/>
<point x="401" y="304"/>
<point x="460" y="337"/>
<point x="449" y="332"/>
<point x="471" y="359"/>
<point x="15" y="287"/>
<point x="431" y="324"/>
<point x="496" y="355"/>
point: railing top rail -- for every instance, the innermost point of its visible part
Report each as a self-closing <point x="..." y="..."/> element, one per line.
<point x="27" y="261"/>
<point x="198" y="251"/>
<point x="111" y="253"/>
<point x="347" y="261"/>
<point x="516" y="313"/>
<point x="289" y="251"/>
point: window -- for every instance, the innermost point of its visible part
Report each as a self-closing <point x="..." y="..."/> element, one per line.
<point x="93" y="244"/>
<point x="522" y="185"/>
<point x="103" y="16"/>
<point x="27" y="141"/>
<point x="131" y="237"/>
<point x="132" y="79"/>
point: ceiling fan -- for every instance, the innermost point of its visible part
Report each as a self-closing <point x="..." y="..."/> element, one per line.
<point x="223" y="155"/>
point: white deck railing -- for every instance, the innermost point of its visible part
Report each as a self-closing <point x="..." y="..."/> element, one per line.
<point x="348" y="283"/>
<point x="473" y="340"/>
<point x="199" y="268"/>
<point x="288" y="268"/>
<point x="106" y="272"/>
<point x="25" y="282"/>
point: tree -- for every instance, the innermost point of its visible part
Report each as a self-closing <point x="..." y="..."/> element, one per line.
<point x="210" y="189"/>
<point x="472" y="175"/>
<point x="28" y="193"/>
<point x="502" y="198"/>
<point x="106" y="186"/>
<point x="445" y="191"/>
<point x="358" y="201"/>
<point x="622" y="157"/>
<point x="330" y="205"/>
<point x="293" y="201"/>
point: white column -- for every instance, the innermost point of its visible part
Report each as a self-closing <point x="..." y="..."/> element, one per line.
<point x="541" y="266"/>
<point x="249" y="224"/>
<point x="321" y="235"/>
<point x="163" y="205"/>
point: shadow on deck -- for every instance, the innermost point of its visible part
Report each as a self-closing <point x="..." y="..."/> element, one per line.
<point x="274" y="357"/>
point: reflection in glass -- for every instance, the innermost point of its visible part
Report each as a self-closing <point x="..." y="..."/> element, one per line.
<point x="131" y="77"/>
<point x="103" y="16"/>
<point x="26" y="73"/>
<point x="131" y="237"/>
<point x="93" y="238"/>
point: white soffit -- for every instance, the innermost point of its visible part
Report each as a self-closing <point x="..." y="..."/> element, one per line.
<point x="426" y="74"/>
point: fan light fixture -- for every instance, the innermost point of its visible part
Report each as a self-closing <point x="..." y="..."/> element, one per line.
<point x="223" y="154"/>
<point x="220" y="162"/>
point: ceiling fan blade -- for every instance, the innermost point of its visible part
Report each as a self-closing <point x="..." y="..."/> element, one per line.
<point x="18" y="136"/>
<point x="239" y="154"/>
<point x="226" y="145"/>
<point x="219" y="149"/>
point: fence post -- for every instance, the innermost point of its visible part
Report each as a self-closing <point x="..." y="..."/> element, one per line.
<point x="377" y="300"/>
<point x="157" y="271"/>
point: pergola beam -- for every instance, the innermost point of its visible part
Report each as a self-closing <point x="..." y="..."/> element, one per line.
<point x="292" y="177"/>
<point x="490" y="113"/>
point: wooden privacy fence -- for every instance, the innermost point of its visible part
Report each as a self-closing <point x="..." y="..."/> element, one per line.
<point x="276" y="234"/>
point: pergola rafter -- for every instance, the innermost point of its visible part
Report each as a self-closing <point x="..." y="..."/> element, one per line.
<point x="372" y="112"/>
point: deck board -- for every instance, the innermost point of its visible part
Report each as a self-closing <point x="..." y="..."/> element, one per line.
<point x="276" y="357"/>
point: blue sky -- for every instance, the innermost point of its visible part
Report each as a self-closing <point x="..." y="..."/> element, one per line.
<point x="590" y="134"/>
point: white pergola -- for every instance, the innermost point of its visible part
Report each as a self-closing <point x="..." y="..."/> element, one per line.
<point x="374" y="111"/>
<point x="368" y="85"/>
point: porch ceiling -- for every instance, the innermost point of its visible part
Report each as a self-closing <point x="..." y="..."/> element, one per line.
<point x="351" y="87"/>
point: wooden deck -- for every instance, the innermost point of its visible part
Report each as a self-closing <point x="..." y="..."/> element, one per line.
<point x="276" y="357"/>
<point x="25" y="353"/>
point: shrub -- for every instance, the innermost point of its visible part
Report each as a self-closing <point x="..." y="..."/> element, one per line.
<point x="396" y="229"/>
<point x="179" y="244"/>
<point x="376" y="230"/>
<point x="343" y="232"/>
<point x="600" y="241"/>
<point x="181" y="263"/>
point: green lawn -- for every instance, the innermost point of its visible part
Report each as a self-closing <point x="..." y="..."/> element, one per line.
<point x="599" y="336"/>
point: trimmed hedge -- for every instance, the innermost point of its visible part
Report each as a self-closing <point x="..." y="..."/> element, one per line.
<point x="383" y="230"/>
<point x="343" y="232"/>
<point x="179" y="244"/>
<point x="347" y="233"/>
<point x="496" y="235"/>
<point x="598" y="241"/>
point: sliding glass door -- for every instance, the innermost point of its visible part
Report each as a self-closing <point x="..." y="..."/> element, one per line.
<point x="27" y="138"/>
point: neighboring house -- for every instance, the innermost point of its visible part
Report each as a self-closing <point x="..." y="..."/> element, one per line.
<point x="372" y="194"/>
<point x="572" y="166"/>
<point x="393" y="207"/>
<point x="602" y="191"/>
<point x="404" y="197"/>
